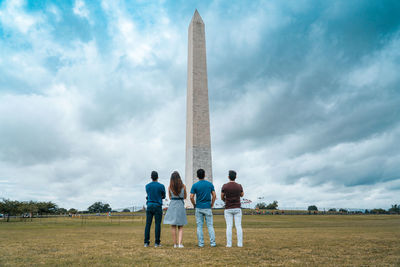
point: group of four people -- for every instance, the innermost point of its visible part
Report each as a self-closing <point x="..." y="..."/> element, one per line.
<point x="205" y="195"/>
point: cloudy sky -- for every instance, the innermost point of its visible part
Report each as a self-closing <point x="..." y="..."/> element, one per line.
<point x="304" y="99"/>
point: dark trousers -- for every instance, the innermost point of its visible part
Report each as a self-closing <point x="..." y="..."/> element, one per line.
<point x="156" y="212"/>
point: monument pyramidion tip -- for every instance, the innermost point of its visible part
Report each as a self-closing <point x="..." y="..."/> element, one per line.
<point x="196" y="18"/>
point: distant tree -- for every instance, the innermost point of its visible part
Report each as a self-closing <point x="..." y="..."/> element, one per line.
<point x="378" y="211"/>
<point x="9" y="207"/>
<point x="342" y="210"/>
<point x="16" y="207"/>
<point x="126" y="210"/>
<point x="99" y="207"/>
<point x="395" y="209"/>
<point x="61" y="211"/>
<point x="73" y="211"/>
<point x="27" y="207"/>
<point x="32" y="207"/>
<point x="261" y="205"/>
<point x="272" y="206"/>
<point x="312" y="208"/>
<point x="332" y="210"/>
<point x="47" y="207"/>
<point x="366" y="211"/>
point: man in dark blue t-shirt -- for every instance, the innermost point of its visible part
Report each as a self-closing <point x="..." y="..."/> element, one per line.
<point x="203" y="190"/>
<point x="155" y="194"/>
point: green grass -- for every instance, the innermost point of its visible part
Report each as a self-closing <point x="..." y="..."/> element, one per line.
<point x="331" y="240"/>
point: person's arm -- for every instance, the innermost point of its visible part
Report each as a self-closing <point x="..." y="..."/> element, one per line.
<point x="214" y="197"/>
<point x="192" y="200"/>
<point x="184" y="192"/>
<point x="242" y="193"/>
<point x="223" y="196"/>
<point x="163" y="192"/>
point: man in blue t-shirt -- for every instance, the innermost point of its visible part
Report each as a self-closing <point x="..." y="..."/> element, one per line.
<point x="155" y="194"/>
<point x="203" y="190"/>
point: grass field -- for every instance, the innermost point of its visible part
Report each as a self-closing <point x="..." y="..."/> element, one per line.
<point x="356" y="240"/>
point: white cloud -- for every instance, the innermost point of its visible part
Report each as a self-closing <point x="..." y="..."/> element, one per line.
<point x="14" y="17"/>
<point x="81" y="10"/>
<point x="379" y="69"/>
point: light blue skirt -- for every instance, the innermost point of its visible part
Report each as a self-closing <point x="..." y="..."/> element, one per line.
<point x="176" y="213"/>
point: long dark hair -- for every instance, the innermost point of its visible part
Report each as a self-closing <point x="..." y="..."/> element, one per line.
<point x="175" y="183"/>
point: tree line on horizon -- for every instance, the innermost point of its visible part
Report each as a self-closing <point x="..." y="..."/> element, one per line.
<point x="395" y="209"/>
<point x="31" y="208"/>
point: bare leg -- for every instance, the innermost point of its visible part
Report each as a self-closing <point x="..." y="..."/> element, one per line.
<point x="180" y="234"/>
<point x="173" y="231"/>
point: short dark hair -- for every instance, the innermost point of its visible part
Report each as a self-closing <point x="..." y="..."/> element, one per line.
<point x="232" y="175"/>
<point x="154" y="175"/>
<point x="201" y="173"/>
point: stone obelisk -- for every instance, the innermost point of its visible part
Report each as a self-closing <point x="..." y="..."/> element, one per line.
<point x="198" y="141"/>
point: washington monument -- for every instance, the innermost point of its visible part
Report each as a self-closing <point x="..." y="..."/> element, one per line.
<point x="198" y="141"/>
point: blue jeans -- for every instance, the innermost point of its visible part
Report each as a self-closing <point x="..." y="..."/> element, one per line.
<point x="156" y="212"/>
<point x="202" y="214"/>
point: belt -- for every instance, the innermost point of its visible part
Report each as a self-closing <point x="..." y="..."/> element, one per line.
<point x="176" y="198"/>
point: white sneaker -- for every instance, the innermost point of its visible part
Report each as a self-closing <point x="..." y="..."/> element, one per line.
<point x="175" y="245"/>
<point x="180" y="246"/>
